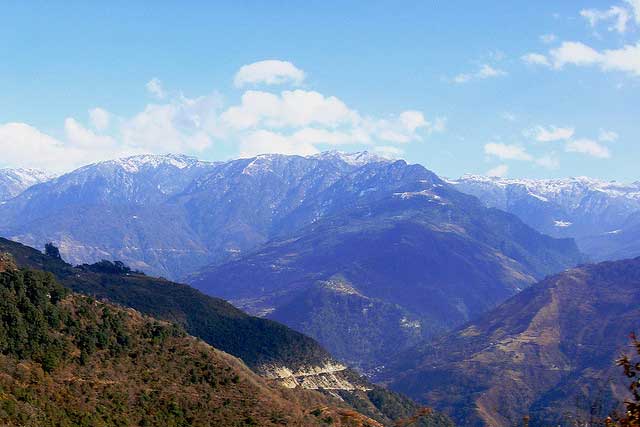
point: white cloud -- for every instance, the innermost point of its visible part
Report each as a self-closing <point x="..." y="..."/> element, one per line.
<point x="323" y="119"/>
<point x="291" y="122"/>
<point x="509" y="116"/>
<point x="574" y="53"/>
<point x="99" y="118"/>
<point x="548" y="161"/>
<point x="625" y="59"/>
<point x="289" y="109"/>
<point x="389" y="151"/>
<point x="507" y="151"/>
<point x="331" y="137"/>
<point x="438" y="125"/>
<point x="408" y="126"/>
<point x="412" y="120"/>
<point x="617" y="15"/>
<point x="183" y="125"/>
<point x="486" y="71"/>
<point x="588" y="147"/>
<point x="635" y="5"/>
<point x="535" y="59"/>
<point x="81" y="137"/>
<point x="23" y="145"/>
<point x="607" y="135"/>
<point x="552" y="133"/>
<point x="498" y="171"/>
<point x="548" y="38"/>
<point x="154" y="87"/>
<point x="269" y="72"/>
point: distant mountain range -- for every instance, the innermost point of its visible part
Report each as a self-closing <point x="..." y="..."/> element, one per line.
<point x="602" y="216"/>
<point x="170" y="214"/>
<point x="549" y="352"/>
<point x="15" y="181"/>
<point x="347" y="248"/>
<point x="398" y="256"/>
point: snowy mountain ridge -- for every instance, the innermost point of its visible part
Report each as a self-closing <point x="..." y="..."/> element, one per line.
<point x="587" y="209"/>
<point x="15" y="181"/>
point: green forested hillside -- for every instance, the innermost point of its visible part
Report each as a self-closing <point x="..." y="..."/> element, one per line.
<point x="256" y="341"/>
<point x="69" y="360"/>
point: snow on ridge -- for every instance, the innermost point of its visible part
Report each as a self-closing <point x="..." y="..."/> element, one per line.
<point x="26" y="175"/>
<point x="133" y="164"/>
<point x="355" y="159"/>
<point x="562" y="224"/>
<point x="544" y="189"/>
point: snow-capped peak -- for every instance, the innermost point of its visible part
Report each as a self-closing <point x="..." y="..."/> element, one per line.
<point x="549" y="187"/>
<point x="134" y="164"/>
<point x="355" y="159"/>
<point x="26" y="175"/>
<point x="15" y="181"/>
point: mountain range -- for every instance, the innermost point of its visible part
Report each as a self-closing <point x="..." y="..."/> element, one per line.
<point x="347" y="248"/>
<point x="602" y="216"/>
<point x="67" y="359"/>
<point x="426" y="284"/>
<point x="549" y="353"/>
<point x="270" y="349"/>
<point x="399" y="256"/>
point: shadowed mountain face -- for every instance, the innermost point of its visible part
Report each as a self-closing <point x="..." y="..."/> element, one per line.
<point x="598" y="214"/>
<point x="399" y="256"/>
<point x="269" y="348"/>
<point x="548" y="352"/>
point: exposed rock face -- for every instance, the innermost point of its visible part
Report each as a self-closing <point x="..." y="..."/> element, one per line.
<point x="320" y="377"/>
<point x="537" y="354"/>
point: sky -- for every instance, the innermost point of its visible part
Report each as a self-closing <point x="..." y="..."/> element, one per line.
<point x="540" y="89"/>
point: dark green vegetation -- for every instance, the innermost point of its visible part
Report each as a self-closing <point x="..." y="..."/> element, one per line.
<point x="548" y="352"/>
<point x="68" y="360"/>
<point x="257" y="341"/>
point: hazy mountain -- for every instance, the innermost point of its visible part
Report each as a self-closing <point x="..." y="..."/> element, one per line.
<point x="170" y="214"/>
<point x="15" y="181"/>
<point x="111" y="210"/>
<point x="598" y="214"/>
<point x="269" y="348"/>
<point x="548" y="352"/>
<point x="398" y="256"/>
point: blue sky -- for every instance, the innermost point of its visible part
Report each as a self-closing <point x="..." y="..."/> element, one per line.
<point x="521" y="89"/>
